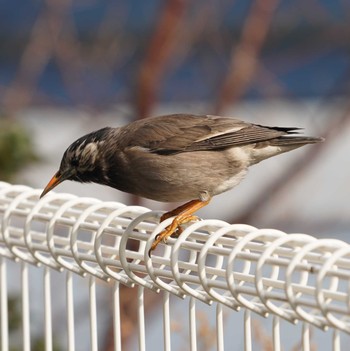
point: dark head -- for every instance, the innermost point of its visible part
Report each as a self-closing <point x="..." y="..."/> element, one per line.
<point x="81" y="162"/>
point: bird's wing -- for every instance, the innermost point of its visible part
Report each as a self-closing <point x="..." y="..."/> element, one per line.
<point x="184" y="133"/>
<point x="249" y="134"/>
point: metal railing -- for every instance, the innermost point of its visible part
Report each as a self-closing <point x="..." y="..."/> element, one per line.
<point x="293" y="277"/>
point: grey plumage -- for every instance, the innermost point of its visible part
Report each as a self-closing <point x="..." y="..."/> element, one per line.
<point x="176" y="157"/>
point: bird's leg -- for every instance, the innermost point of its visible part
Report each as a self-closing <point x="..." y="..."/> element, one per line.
<point x="178" y="210"/>
<point x="184" y="214"/>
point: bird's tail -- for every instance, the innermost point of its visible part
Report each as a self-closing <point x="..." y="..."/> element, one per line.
<point x="295" y="140"/>
<point x="282" y="144"/>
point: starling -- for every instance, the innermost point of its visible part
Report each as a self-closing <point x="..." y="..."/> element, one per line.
<point x="172" y="158"/>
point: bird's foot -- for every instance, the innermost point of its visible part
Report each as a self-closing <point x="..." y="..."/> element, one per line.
<point x="183" y="214"/>
<point x="173" y="230"/>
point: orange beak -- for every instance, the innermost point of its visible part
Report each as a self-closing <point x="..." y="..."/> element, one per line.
<point x="55" y="180"/>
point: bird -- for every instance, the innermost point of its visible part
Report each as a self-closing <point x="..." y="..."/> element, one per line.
<point x="175" y="158"/>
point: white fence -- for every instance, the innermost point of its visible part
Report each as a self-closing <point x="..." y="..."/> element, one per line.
<point x="294" y="277"/>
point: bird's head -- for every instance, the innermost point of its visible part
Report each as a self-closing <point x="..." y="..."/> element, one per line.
<point x="81" y="161"/>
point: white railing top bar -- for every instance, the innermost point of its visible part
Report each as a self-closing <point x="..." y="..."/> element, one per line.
<point x="293" y="276"/>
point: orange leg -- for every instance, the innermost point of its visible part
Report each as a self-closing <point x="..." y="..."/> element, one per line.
<point x="178" y="210"/>
<point x="184" y="214"/>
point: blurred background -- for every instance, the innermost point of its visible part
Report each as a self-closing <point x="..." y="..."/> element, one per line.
<point x="69" y="67"/>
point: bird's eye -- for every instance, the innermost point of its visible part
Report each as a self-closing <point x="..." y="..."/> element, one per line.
<point x="74" y="162"/>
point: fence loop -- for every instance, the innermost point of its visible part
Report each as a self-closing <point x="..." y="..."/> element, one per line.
<point x="12" y="237"/>
<point x="188" y="236"/>
<point x="322" y="300"/>
<point x="33" y="244"/>
<point x="263" y="288"/>
<point x="107" y="257"/>
<point x="60" y="246"/>
<point x="84" y="248"/>
<point x="129" y="258"/>
<point x="209" y="247"/>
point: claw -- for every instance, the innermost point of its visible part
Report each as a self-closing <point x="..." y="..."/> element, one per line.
<point x="183" y="214"/>
<point x="177" y="232"/>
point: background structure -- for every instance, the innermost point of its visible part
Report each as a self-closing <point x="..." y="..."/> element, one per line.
<point x="69" y="67"/>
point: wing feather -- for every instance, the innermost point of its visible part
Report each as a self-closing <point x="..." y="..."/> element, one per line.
<point x="185" y="133"/>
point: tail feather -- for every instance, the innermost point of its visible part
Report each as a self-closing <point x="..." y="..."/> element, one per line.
<point x="295" y="140"/>
<point x="281" y="144"/>
<point x="287" y="130"/>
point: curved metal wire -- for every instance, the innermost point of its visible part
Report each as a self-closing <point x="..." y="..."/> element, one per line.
<point x="294" y="277"/>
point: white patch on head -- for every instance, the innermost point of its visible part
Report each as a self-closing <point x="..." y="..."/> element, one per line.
<point x="88" y="155"/>
<point x="90" y="148"/>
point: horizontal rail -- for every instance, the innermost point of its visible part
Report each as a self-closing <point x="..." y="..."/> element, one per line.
<point x="292" y="276"/>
